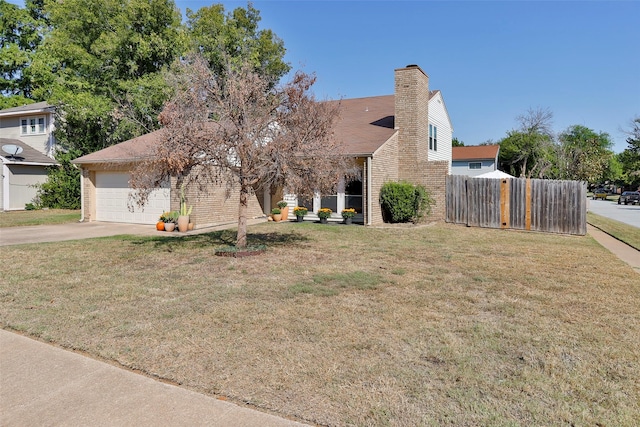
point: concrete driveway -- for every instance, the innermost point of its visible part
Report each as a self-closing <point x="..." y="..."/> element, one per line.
<point x="629" y="214"/>
<point x="87" y="230"/>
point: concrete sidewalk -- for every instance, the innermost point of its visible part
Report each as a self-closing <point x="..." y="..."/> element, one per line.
<point x="623" y="251"/>
<point x="43" y="385"/>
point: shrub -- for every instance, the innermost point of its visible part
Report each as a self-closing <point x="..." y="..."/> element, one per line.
<point x="275" y="211"/>
<point x="404" y="202"/>
<point x="62" y="188"/>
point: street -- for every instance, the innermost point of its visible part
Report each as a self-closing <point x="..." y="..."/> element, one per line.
<point x="629" y="214"/>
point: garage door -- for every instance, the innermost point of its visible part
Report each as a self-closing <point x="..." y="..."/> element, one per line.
<point x="112" y="200"/>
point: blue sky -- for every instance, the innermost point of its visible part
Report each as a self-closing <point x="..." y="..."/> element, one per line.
<point x="492" y="60"/>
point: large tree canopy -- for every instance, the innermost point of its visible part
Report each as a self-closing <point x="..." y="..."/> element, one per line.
<point x="21" y="32"/>
<point x="103" y="63"/>
<point x="583" y="154"/>
<point x="235" y="37"/>
<point x="528" y="150"/>
<point x="630" y="157"/>
<point x="234" y="129"/>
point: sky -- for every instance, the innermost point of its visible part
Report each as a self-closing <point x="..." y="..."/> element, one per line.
<point x="493" y="61"/>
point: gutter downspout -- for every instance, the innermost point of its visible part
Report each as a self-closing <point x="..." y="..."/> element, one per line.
<point x="369" y="190"/>
<point x="81" y="195"/>
<point x="5" y="187"/>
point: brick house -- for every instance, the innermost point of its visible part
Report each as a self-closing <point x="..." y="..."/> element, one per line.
<point x="405" y="136"/>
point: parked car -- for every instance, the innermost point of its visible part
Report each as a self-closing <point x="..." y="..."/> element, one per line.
<point x="627" y="197"/>
<point x="600" y="193"/>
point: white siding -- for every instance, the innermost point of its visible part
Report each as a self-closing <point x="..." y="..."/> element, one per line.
<point x="461" y="167"/>
<point x="439" y="117"/>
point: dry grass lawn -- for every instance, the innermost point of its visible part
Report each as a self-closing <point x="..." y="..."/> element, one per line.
<point x="38" y="217"/>
<point x="336" y="325"/>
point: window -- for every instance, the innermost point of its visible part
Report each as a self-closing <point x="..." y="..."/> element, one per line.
<point x="433" y="138"/>
<point x="475" y="165"/>
<point x="32" y="125"/>
<point x="349" y="196"/>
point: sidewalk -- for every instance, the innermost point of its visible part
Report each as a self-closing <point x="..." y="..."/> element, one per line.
<point x="623" y="251"/>
<point x="41" y="384"/>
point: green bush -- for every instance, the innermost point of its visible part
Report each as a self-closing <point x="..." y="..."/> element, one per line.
<point x="404" y="202"/>
<point x="62" y="188"/>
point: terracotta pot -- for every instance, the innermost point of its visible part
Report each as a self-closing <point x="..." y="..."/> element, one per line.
<point x="169" y="226"/>
<point x="190" y="226"/>
<point x="277" y="217"/>
<point x="160" y="225"/>
<point x="183" y="223"/>
<point x="285" y="213"/>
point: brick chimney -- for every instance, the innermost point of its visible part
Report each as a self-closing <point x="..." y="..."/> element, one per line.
<point x="412" y="122"/>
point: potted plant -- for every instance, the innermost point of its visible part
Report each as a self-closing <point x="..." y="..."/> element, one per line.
<point x="276" y="214"/>
<point x="183" y="217"/>
<point x="324" y="214"/>
<point x="348" y="214"/>
<point x="300" y="212"/>
<point x="284" y="209"/>
<point x="170" y="220"/>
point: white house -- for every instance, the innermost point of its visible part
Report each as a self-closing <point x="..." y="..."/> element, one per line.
<point x="27" y="145"/>
<point x="474" y="160"/>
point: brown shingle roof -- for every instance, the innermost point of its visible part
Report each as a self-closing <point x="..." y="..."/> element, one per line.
<point x="28" y="154"/>
<point x="475" y="152"/>
<point x="364" y="125"/>
<point x="127" y="151"/>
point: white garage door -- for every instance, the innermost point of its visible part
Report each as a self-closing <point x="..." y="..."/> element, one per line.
<point x="112" y="200"/>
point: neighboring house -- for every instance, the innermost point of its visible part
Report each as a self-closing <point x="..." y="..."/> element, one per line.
<point x="474" y="160"/>
<point x="29" y="127"/>
<point x="406" y="136"/>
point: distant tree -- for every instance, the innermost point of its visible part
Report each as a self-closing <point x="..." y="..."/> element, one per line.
<point x="102" y="55"/>
<point x="235" y="130"/>
<point x="21" y="32"/>
<point x="528" y="151"/>
<point x="235" y="36"/>
<point x="584" y="155"/>
<point x="630" y="157"/>
<point x="455" y="142"/>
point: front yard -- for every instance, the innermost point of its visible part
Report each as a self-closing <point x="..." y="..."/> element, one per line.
<point x="347" y="325"/>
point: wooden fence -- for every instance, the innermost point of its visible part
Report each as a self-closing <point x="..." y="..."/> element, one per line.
<point x="518" y="203"/>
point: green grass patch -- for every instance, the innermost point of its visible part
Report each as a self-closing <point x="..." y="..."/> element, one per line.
<point x="621" y="231"/>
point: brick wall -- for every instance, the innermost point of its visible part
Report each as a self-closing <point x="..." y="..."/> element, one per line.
<point x="384" y="168"/>
<point x="412" y="122"/>
<point x="436" y="184"/>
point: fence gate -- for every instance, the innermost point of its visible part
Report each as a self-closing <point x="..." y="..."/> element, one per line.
<point x="518" y="203"/>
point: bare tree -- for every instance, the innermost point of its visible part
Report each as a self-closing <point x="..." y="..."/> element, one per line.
<point x="529" y="150"/>
<point x="233" y="130"/>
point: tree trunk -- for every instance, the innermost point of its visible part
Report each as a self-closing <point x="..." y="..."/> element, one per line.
<point x="241" y="240"/>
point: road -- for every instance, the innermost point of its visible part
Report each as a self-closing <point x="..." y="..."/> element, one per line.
<point x="629" y="214"/>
